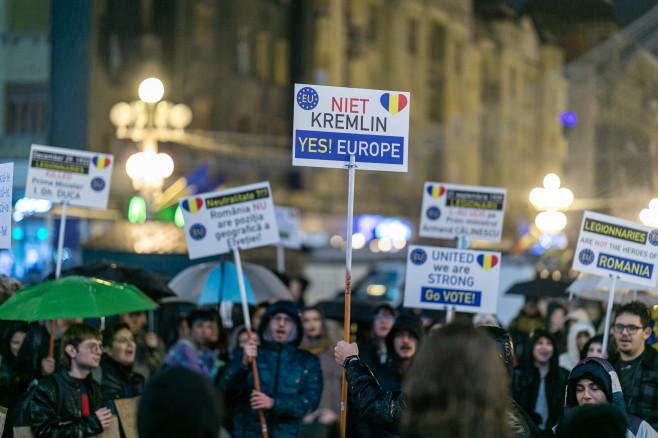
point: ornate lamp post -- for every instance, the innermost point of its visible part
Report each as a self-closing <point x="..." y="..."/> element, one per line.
<point x="552" y="200"/>
<point x="147" y="121"/>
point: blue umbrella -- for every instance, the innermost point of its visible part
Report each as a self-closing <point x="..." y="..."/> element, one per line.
<point x="222" y="285"/>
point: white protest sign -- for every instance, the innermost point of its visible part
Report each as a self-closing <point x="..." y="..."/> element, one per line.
<point x="452" y="210"/>
<point x="611" y="246"/>
<point x="241" y="218"/>
<point x="73" y="176"/>
<point x="287" y="219"/>
<point x="332" y="123"/>
<point x="6" y="183"/>
<point x="440" y="278"/>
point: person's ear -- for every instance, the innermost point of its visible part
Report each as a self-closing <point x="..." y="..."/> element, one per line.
<point x="70" y="350"/>
<point x="647" y="332"/>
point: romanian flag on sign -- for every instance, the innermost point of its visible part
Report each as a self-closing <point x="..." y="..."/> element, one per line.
<point x="436" y="191"/>
<point x="192" y="205"/>
<point x="487" y="261"/>
<point x="393" y="104"/>
<point x="101" y="162"/>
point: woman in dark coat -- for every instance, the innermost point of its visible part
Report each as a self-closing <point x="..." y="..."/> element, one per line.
<point x="538" y="385"/>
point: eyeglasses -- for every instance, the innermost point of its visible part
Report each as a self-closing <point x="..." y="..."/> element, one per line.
<point x="283" y="318"/>
<point x="94" y="348"/>
<point x="632" y="329"/>
<point x="386" y="317"/>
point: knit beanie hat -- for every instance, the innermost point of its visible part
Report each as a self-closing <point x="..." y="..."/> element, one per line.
<point x="601" y="421"/>
<point x="405" y="323"/>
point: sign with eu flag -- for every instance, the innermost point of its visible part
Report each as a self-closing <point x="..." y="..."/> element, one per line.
<point x="332" y="123"/>
<point x="445" y="278"/>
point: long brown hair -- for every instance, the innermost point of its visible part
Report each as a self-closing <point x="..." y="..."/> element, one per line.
<point x="457" y="387"/>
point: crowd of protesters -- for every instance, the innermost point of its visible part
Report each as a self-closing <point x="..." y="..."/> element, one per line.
<point x="411" y="375"/>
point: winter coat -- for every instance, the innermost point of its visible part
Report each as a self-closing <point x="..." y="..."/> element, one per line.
<point x="288" y="374"/>
<point x="642" y="397"/>
<point x="71" y="422"/>
<point x="571" y="357"/>
<point x="118" y="381"/>
<point x="603" y="371"/>
<point x="526" y="380"/>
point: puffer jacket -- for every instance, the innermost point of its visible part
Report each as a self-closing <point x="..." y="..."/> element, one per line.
<point x="288" y="374"/>
<point x="118" y="381"/>
<point x="604" y="371"/>
<point x="71" y="422"/>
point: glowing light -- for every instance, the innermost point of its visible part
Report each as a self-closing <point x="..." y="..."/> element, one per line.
<point x="32" y="205"/>
<point x="551" y="221"/>
<point x="18" y="216"/>
<point x="178" y="217"/>
<point x="18" y="233"/>
<point x="149" y="167"/>
<point x="42" y="234"/>
<point x="376" y="290"/>
<point x="137" y="210"/>
<point x="649" y="216"/>
<point x="568" y="118"/>
<point x="385" y="244"/>
<point x="374" y="245"/>
<point x="358" y="241"/>
<point x="151" y="90"/>
<point x="393" y="229"/>
<point x="336" y="241"/>
<point x="551" y="197"/>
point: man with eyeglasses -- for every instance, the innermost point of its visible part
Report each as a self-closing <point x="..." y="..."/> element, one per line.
<point x="636" y="362"/>
<point x="69" y="402"/>
<point x="290" y="377"/>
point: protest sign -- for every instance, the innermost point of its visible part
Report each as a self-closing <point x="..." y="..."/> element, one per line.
<point x="332" y="123"/>
<point x="442" y="278"/>
<point x="73" y="176"/>
<point x="238" y="218"/>
<point x="452" y="210"/>
<point x="287" y="219"/>
<point x="609" y="246"/>
<point x="6" y="183"/>
<point x="127" y="410"/>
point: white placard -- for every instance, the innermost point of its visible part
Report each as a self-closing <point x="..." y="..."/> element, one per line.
<point x="453" y="210"/>
<point x="446" y="278"/>
<point x="217" y="222"/>
<point x="6" y="184"/>
<point x="331" y="123"/>
<point x="611" y="246"/>
<point x="73" y="176"/>
<point x="287" y="219"/>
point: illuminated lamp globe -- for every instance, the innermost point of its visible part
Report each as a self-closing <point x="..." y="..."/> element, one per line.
<point x="551" y="221"/>
<point x="149" y="166"/>
<point x="151" y="90"/>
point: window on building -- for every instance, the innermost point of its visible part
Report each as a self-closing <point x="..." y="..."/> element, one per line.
<point x="412" y="35"/>
<point x="436" y="72"/>
<point x="26" y="108"/>
<point x="243" y="51"/>
<point x="281" y="61"/>
<point x="263" y="62"/>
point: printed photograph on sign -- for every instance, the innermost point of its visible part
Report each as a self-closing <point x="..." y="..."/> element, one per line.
<point x="241" y="217"/>
<point x="612" y="246"/>
<point x="452" y="210"/>
<point x="77" y="177"/>
<point x="445" y="278"/>
<point x="288" y="220"/>
<point x="332" y="123"/>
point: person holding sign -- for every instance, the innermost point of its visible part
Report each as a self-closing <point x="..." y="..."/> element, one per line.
<point x="290" y="378"/>
<point x="71" y="404"/>
<point x="636" y="362"/>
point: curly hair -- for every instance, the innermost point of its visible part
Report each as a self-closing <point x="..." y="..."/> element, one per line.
<point x="636" y="308"/>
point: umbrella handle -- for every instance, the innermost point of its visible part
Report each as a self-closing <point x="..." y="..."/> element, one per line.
<point x="51" y="347"/>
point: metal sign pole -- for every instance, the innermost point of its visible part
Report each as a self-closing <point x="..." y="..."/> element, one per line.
<point x="608" y="313"/>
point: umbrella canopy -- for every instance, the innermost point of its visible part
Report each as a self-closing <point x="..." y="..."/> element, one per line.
<point x="360" y="310"/>
<point x="212" y="283"/>
<point x="153" y="284"/>
<point x="539" y="288"/>
<point x="592" y="287"/>
<point x="74" y="297"/>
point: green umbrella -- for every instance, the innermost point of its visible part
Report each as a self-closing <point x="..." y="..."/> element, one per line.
<point x="74" y="297"/>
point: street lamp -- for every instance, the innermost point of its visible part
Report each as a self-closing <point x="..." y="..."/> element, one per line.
<point x="551" y="200"/>
<point x="147" y="121"/>
<point x="649" y="216"/>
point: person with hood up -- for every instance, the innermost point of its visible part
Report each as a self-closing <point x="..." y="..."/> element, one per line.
<point x="538" y="383"/>
<point x="579" y="334"/>
<point x="290" y="378"/>
<point x="594" y="381"/>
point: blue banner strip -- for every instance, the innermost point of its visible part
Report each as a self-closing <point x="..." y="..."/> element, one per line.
<point x="453" y="297"/>
<point x="338" y="146"/>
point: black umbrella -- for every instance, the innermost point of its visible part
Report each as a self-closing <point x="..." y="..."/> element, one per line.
<point x="153" y="284"/>
<point x="360" y="310"/>
<point x="540" y="288"/>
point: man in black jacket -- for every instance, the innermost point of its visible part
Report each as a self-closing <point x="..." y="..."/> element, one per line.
<point x="71" y="403"/>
